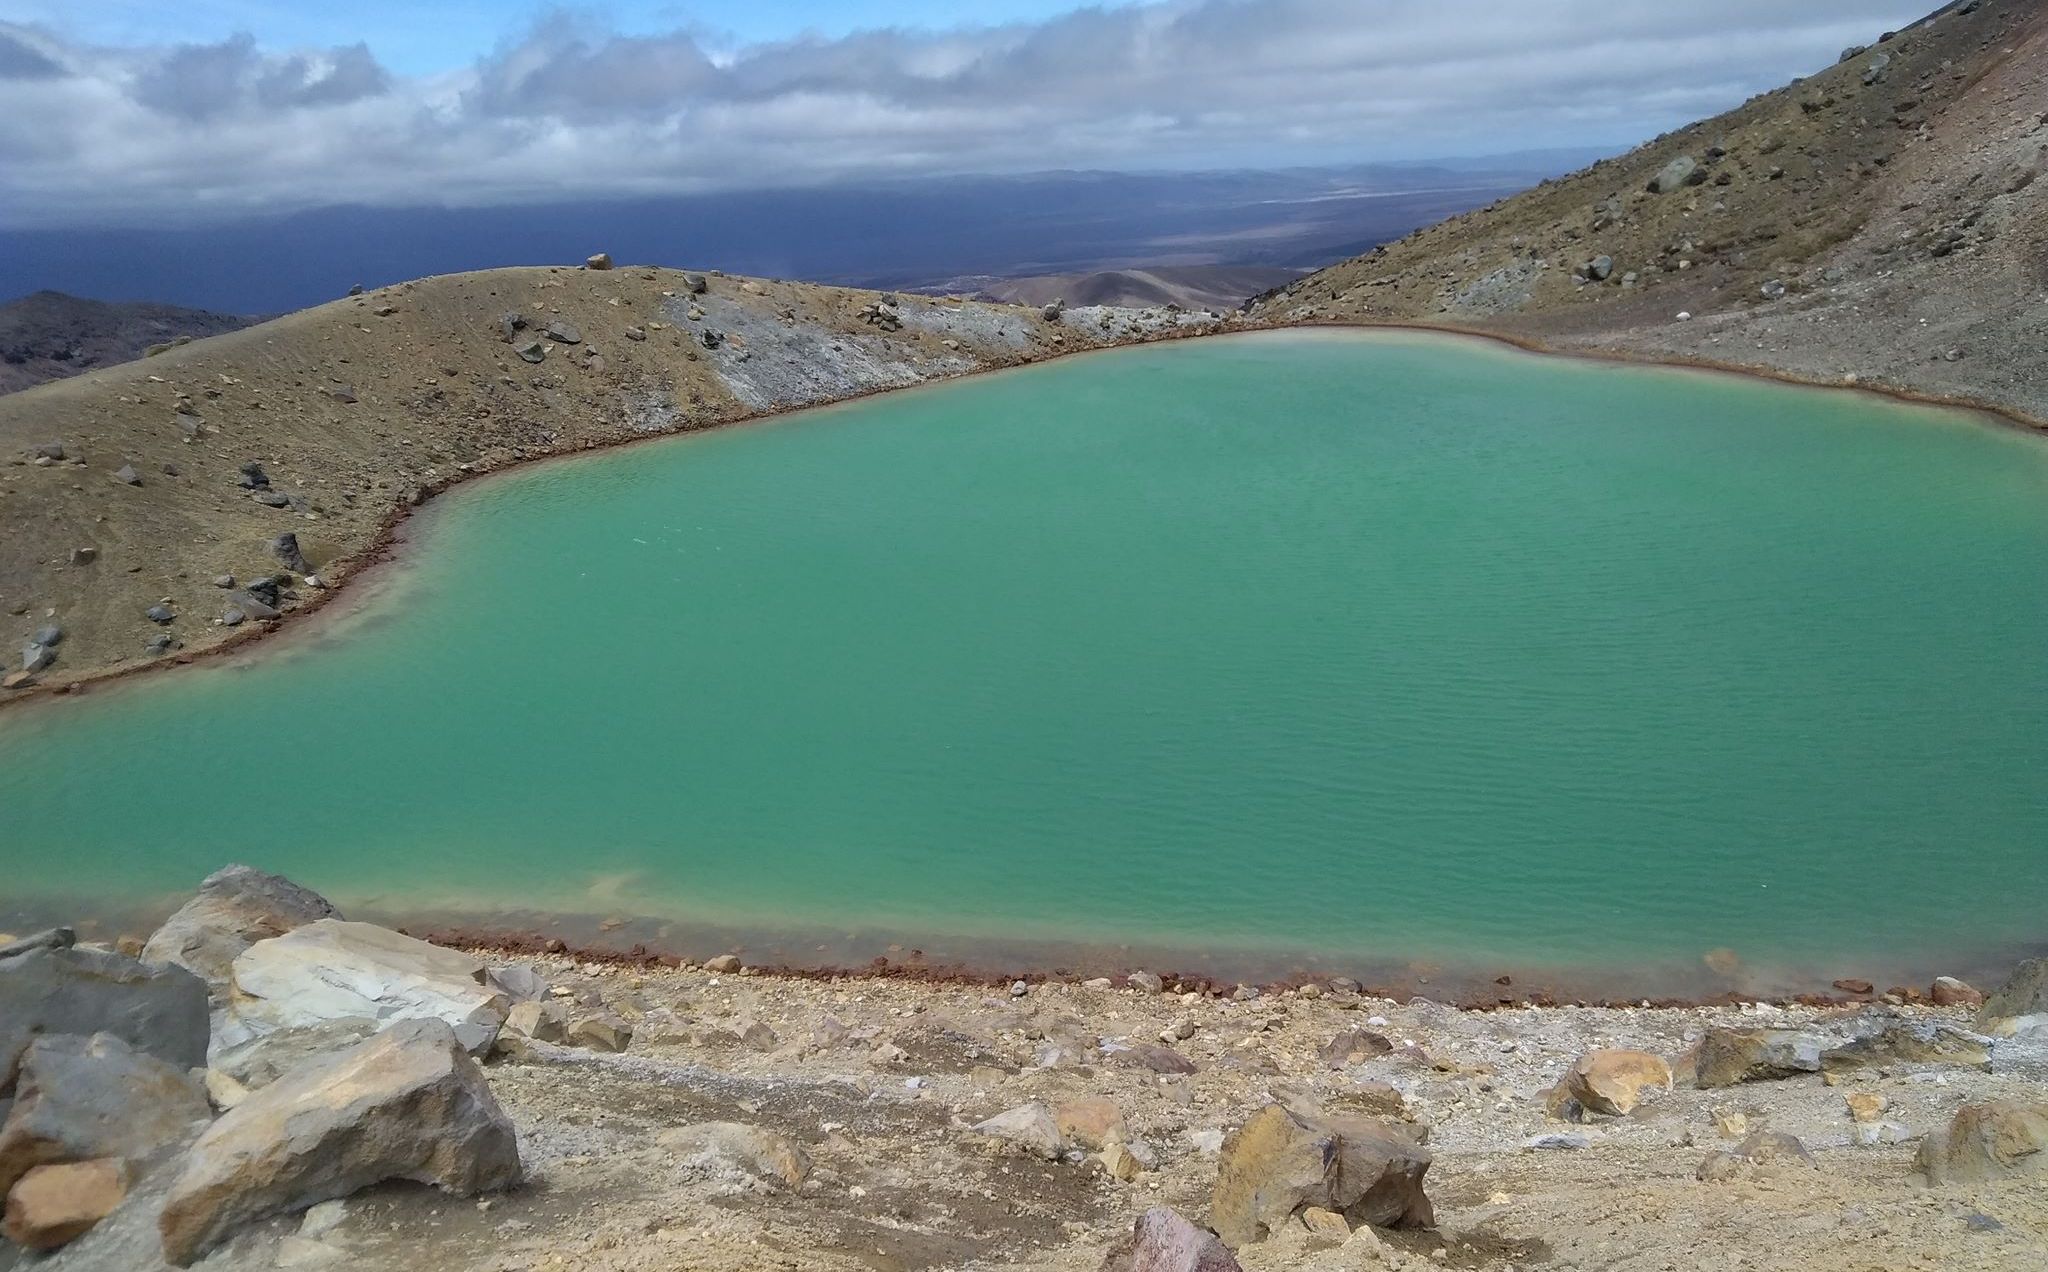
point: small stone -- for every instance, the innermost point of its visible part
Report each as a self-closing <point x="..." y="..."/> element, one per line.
<point x="1091" y="1122"/>
<point x="1354" y="1046"/>
<point x="695" y="284"/>
<point x="600" y="1033"/>
<point x="159" y="614"/>
<point x="253" y="477"/>
<point x="127" y="475"/>
<point x="563" y="333"/>
<point x="1325" y="1223"/>
<point x="49" y="636"/>
<point x="1948" y="992"/>
<point x="1030" y="1125"/>
<point x="1774" y="290"/>
<point x="1853" y="985"/>
<point x="635" y="333"/>
<point x="223" y="580"/>
<point x="1554" y="1141"/>
<point x="1120" y="1162"/>
<point x="1145" y="982"/>
<point x="271" y="498"/>
<point x="1018" y="989"/>
<point x="599" y="261"/>
<point x="84" y="556"/>
<point x="343" y="393"/>
<point x="723" y="964"/>
<point x="285" y="548"/>
<point x="530" y="350"/>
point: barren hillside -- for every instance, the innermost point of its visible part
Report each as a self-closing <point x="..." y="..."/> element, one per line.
<point x="1189" y="286"/>
<point x="49" y="336"/>
<point x="1882" y="220"/>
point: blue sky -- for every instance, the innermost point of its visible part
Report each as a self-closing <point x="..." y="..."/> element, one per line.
<point x="137" y="110"/>
<point x="442" y="35"/>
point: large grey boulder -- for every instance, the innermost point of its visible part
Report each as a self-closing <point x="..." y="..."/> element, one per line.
<point x="2019" y="1005"/>
<point x="336" y="970"/>
<point x="407" y="1104"/>
<point x="1162" y="1241"/>
<point x="62" y="990"/>
<point x="234" y="909"/>
<point x="83" y="1098"/>
<point x="1030" y="1126"/>
<point x="1896" y="1041"/>
<point x="1283" y="1160"/>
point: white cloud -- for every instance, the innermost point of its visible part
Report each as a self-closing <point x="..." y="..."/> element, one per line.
<point x="151" y="135"/>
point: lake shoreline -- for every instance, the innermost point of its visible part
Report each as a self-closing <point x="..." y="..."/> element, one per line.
<point x="389" y="543"/>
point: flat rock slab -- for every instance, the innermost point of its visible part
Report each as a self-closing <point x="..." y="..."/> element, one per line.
<point x="1987" y="1141"/>
<point x="235" y="908"/>
<point x="407" y="1104"/>
<point x="158" y="1010"/>
<point x="83" y="1098"/>
<point x="336" y="970"/>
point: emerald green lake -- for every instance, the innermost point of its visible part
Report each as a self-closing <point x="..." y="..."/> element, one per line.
<point x="1359" y="650"/>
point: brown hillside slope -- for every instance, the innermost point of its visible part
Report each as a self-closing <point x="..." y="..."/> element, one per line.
<point x="357" y="408"/>
<point x="1897" y="197"/>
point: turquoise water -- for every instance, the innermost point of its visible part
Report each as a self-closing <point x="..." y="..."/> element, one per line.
<point x="1382" y="647"/>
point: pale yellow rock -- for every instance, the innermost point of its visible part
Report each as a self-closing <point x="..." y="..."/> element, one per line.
<point x="54" y="1205"/>
<point x="1326" y="1223"/>
<point x="1730" y="1125"/>
<point x="1118" y="1160"/>
<point x="1612" y="1082"/>
<point x="1866" y="1106"/>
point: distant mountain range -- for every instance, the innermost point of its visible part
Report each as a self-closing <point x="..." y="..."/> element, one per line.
<point x="897" y="234"/>
<point x="50" y="335"/>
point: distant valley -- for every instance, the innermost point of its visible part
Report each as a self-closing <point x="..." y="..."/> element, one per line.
<point x="49" y="335"/>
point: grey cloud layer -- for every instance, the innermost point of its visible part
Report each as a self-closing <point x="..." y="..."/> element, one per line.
<point x="198" y="130"/>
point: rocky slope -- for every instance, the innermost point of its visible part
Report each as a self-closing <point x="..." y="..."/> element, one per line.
<point x="145" y="503"/>
<point x="49" y="336"/>
<point x="631" y="1115"/>
<point x="1882" y="222"/>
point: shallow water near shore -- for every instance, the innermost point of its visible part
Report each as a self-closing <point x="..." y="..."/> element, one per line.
<point x="1374" y="649"/>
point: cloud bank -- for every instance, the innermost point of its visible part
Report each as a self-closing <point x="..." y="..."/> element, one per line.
<point x="155" y="135"/>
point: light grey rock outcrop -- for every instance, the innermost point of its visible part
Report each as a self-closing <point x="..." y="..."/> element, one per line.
<point x="155" y="1009"/>
<point x="2020" y="1005"/>
<point x="336" y="970"/>
<point x="1032" y="1126"/>
<point x="235" y="908"/>
<point x="734" y="1152"/>
<point x="1987" y="1141"/>
<point x="407" y="1104"/>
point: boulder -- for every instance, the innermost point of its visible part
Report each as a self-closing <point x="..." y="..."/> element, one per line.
<point x="1612" y="1082"/>
<point x="407" y="1104"/>
<point x="285" y="548"/>
<point x="235" y="908"/>
<point x="81" y="1098"/>
<point x="36" y="657"/>
<point x="695" y="284"/>
<point x="1898" y="1041"/>
<point x="53" y="1206"/>
<point x="1947" y="991"/>
<point x="723" y="964"/>
<point x="1162" y="1241"/>
<point x="1091" y="1122"/>
<point x="601" y="1032"/>
<point x="1145" y="983"/>
<point x="1599" y="269"/>
<point x="1282" y="1160"/>
<point x="599" y="260"/>
<point x="332" y="969"/>
<point x="541" y="1021"/>
<point x="1354" y="1046"/>
<point x="158" y="1010"/>
<point x="518" y="982"/>
<point x="1031" y="1125"/>
<point x="2018" y="1005"/>
<point x="1728" y="1056"/>
<point x="1987" y="1141"/>
<point x="264" y="1059"/>
<point x="732" y="1149"/>
<point x="1676" y="175"/>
